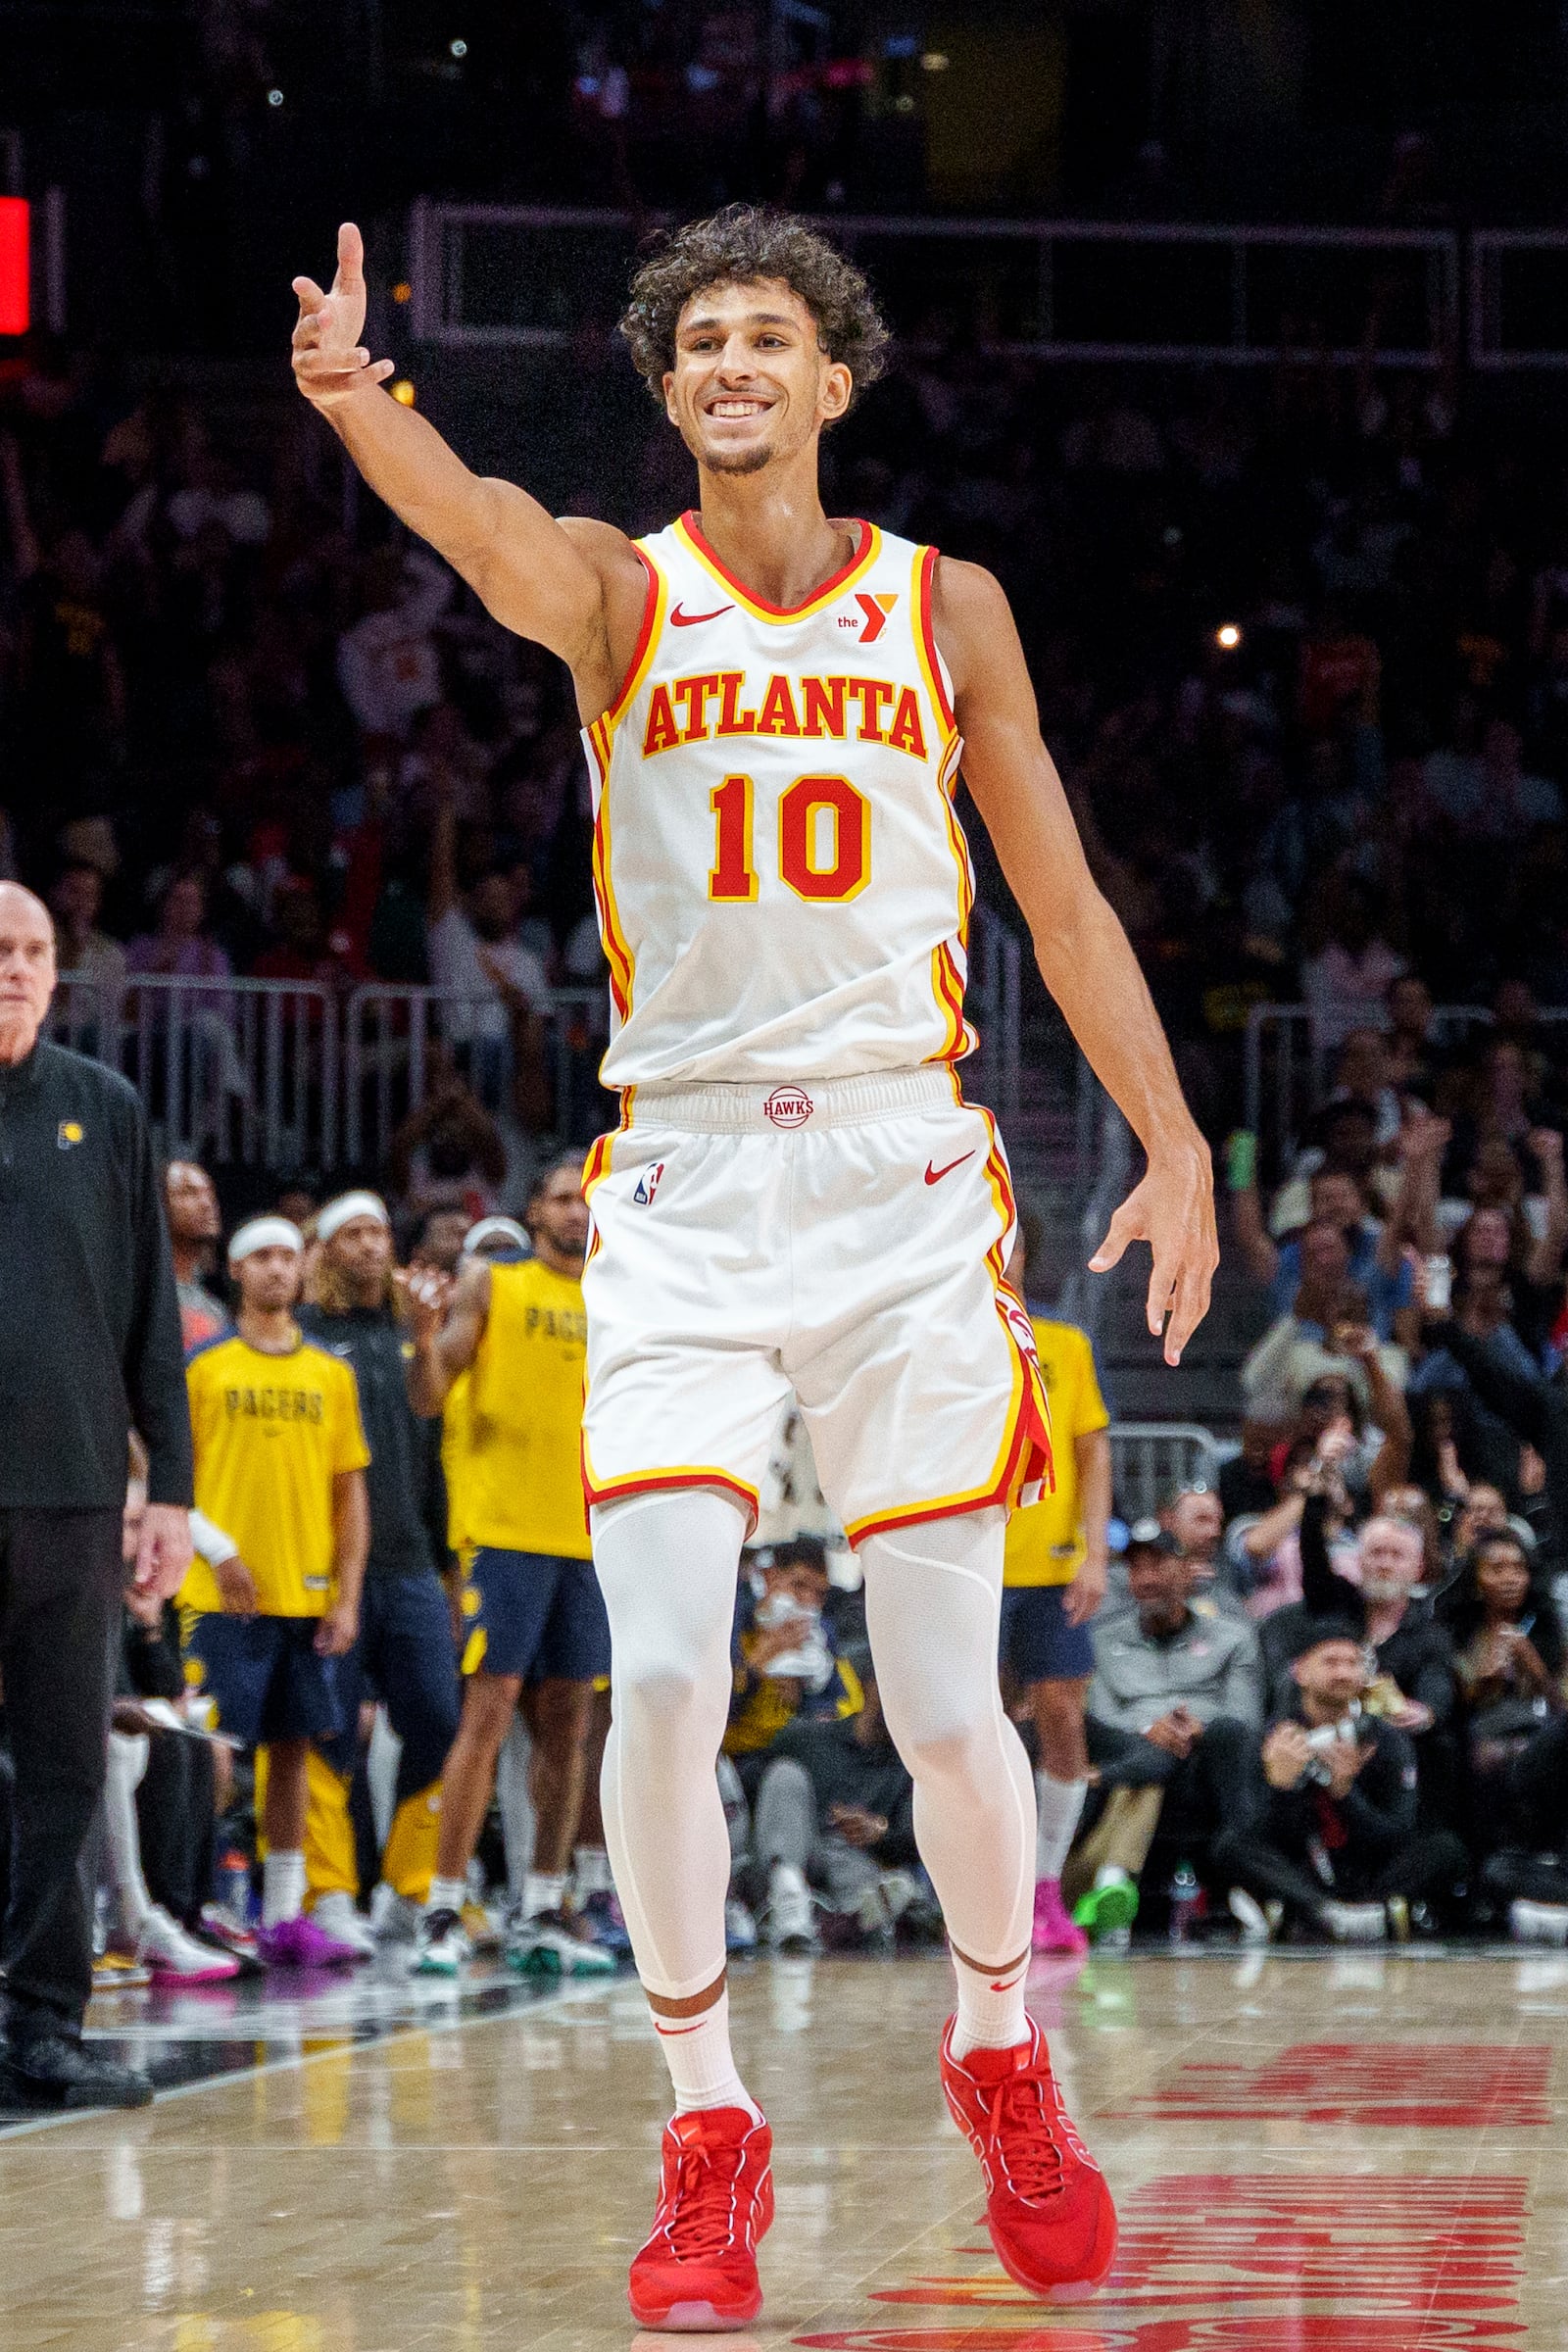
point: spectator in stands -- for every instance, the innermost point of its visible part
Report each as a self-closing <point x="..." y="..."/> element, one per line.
<point x="1415" y="1060"/>
<point x="1508" y="1655"/>
<point x="280" y="1462"/>
<point x="448" y="1153"/>
<point x="1174" y="1711"/>
<point x="403" y="1653"/>
<point x="834" y="1816"/>
<point x="786" y="1663"/>
<point x="1195" y="1517"/>
<point x="180" y="945"/>
<point x="438" y="1239"/>
<point x="1334" y="1839"/>
<point x="195" y="1224"/>
<point x="1346" y="982"/>
<point x="88" y="954"/>
<point x="1372" y="1584"/>
<point x="387" y="664"/>
<point x="499" y="989"/>
<point x="1054" y="1583"/>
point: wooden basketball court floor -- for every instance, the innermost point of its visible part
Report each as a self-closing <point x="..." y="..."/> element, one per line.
<point x="1363" y="2153"/>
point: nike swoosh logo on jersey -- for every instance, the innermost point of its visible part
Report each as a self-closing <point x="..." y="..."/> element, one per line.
<point x="935" y="1175"/>
<point x="688" y="621"/>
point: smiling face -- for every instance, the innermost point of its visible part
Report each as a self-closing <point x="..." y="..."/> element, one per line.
<point x="751" y="385"/>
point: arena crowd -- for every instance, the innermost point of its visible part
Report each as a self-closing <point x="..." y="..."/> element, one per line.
<point x="1301" y="646"/>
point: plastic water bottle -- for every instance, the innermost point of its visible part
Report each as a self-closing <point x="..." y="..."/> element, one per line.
<point x="234" y="1885"/>
<point x="1185" y="1895"/>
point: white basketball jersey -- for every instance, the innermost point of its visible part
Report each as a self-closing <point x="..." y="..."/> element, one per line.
<point x="783" y="886"/>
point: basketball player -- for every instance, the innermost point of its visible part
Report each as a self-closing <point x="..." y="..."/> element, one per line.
<point x="1053" y="1580"/>
<point x="535" y="1618"/>
<point x="280" y="1463"/>
<point x="775" y="702"/>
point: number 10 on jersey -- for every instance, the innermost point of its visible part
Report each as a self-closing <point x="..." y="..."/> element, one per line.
<point x="824" y="839"/>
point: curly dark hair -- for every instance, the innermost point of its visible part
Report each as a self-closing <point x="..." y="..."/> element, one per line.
<point x="738" y="246"/>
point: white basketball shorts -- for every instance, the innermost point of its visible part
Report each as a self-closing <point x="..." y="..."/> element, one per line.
<point x="845" y="1240"/>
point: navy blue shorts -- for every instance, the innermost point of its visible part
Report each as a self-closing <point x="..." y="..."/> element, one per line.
<point x="1037" y="1642"/>
<point x="266" y="1677"/>
<point x="537" y="1616"/>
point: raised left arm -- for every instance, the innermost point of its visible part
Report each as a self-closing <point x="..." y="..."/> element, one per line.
<point x="1082" y="951"/>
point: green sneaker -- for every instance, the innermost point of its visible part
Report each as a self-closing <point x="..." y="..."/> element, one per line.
<point x="1105" y="1909"/>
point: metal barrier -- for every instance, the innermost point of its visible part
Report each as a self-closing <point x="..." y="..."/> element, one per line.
<point x="1287" y="1058"/>
<point x="232" y="1070"/>
<point x="487" y="276"/>
<point x="1518" y="309"/>
<point x="1151" y="1460"/>
<point x="288" y="1074"/>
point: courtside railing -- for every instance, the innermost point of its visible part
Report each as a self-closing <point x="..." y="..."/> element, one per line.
<point x="1289" y="1063"/>
<point x="1150" y="1460"/>
<point x="289" y="1074"/>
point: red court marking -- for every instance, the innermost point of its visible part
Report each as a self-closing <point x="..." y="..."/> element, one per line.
<point x="1230" y="2261"/>
<point x="1431" y="2085"/>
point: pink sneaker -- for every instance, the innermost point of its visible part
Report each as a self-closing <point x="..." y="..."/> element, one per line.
<point x="301" y="1943"/>
<point x="1055" y="1932"/>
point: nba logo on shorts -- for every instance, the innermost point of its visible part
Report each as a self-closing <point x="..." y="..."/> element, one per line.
<point x="648" y="1185"/>
<point x="788" y="1107"/>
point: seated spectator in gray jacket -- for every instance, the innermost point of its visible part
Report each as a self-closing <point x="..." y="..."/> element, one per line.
<point x="1175" y="1706"/>
<point x="1160" y="1655"/>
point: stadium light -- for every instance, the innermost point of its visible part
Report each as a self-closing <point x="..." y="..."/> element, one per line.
<point x="15" y="307"/>
<point x="1228" y="636"/>
<point x="403" y="392"/>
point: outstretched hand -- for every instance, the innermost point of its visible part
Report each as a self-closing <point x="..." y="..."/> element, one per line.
<point x="1173" y="1212"/>
<point x="330" y="363"/>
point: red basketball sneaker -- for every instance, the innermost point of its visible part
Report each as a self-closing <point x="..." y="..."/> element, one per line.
<point x="698" y="2269"/>
<point x="1048" y="2207"/>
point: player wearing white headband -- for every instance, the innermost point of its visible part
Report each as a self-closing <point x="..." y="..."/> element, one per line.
<point x="280" y="1461"/>
<point x="404" y="1652"/>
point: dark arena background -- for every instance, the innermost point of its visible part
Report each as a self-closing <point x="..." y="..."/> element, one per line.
<point x="1233" y="337"/>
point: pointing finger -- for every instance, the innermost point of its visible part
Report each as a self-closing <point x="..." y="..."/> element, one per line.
<point x="350" y="254"/>
<point x="1122" y="1229"/>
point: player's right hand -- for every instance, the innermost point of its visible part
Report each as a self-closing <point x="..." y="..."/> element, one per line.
<point x="330" y="363"/>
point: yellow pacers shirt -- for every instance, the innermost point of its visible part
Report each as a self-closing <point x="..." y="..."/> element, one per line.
<point x="271" y="1433"/>
<point x="1045" y="1542"/>
<point x="520" y="1474"/>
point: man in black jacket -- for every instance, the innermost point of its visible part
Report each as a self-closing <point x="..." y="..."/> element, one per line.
<point x="405" y="1655"/>
<point x="89" y="1346"/>
<point x="1334" y="1834"/>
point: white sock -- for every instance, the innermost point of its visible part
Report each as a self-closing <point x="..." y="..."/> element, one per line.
<point x="991" y="2011"/>
<point x="590" y="1868"/>
<point x="282" y="1888"/>
<point x="542" y="1891"/>
<point x="1058" y="1805"/>
<point x="700" y="2062"/>
<point x="447" y="1894"/>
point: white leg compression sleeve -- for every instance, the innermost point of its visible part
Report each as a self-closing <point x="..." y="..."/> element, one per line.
<point x="667" y="1566"/>
<point x="933" y="1601"/>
